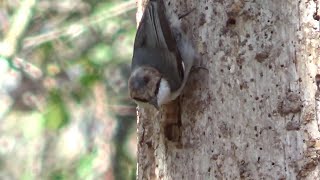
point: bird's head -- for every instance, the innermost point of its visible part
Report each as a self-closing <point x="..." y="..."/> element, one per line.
<point x="146" y="86"/>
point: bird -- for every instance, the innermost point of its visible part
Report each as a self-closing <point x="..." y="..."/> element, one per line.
<point x="162" y="57"/>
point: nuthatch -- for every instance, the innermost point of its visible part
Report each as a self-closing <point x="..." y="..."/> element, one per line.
<point x="162" y="57"/>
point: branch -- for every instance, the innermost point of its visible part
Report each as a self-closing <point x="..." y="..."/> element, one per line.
<point x="78" y="27"/>
<point x="8" y="46"/>
<point x="123" y="110"/>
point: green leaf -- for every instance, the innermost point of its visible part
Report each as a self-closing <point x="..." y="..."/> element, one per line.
<point x="85" y="165"/>
<point x="27" y="175"/>
<point x="58" y="175"/>
<point x="100" y="54"/>
<point x="56" y="115"/>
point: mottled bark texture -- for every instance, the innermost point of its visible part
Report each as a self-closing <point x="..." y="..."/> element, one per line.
<point x="253" y="114"/>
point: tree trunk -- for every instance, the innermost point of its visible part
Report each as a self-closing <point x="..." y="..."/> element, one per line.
<point x="253" y="114"/>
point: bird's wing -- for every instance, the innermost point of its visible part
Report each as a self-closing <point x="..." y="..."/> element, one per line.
<point x="154" y="32"/>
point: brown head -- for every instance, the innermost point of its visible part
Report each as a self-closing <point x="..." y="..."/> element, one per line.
<point x="144" y="85"/>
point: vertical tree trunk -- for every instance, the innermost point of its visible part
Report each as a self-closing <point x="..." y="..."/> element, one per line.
<point x="253" y="115"/>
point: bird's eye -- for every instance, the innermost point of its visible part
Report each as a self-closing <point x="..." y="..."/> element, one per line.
<point x="146" y="79"/>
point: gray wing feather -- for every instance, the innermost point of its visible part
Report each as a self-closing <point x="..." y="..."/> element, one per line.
<point x="155" y="45"/>
<point x="149" y="33"/>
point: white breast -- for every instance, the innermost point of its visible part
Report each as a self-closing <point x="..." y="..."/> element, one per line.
<point x="164" y="92"/>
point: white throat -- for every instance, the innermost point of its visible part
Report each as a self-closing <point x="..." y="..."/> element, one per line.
<point x="164" y="92"/>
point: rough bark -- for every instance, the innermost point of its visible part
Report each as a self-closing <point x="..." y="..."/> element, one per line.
<point x="253" y="115"/>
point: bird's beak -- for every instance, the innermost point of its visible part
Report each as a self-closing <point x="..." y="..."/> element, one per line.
<point x="154" y="102"/>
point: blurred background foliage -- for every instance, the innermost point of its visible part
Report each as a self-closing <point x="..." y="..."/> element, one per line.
<point x="64" y="107"/>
